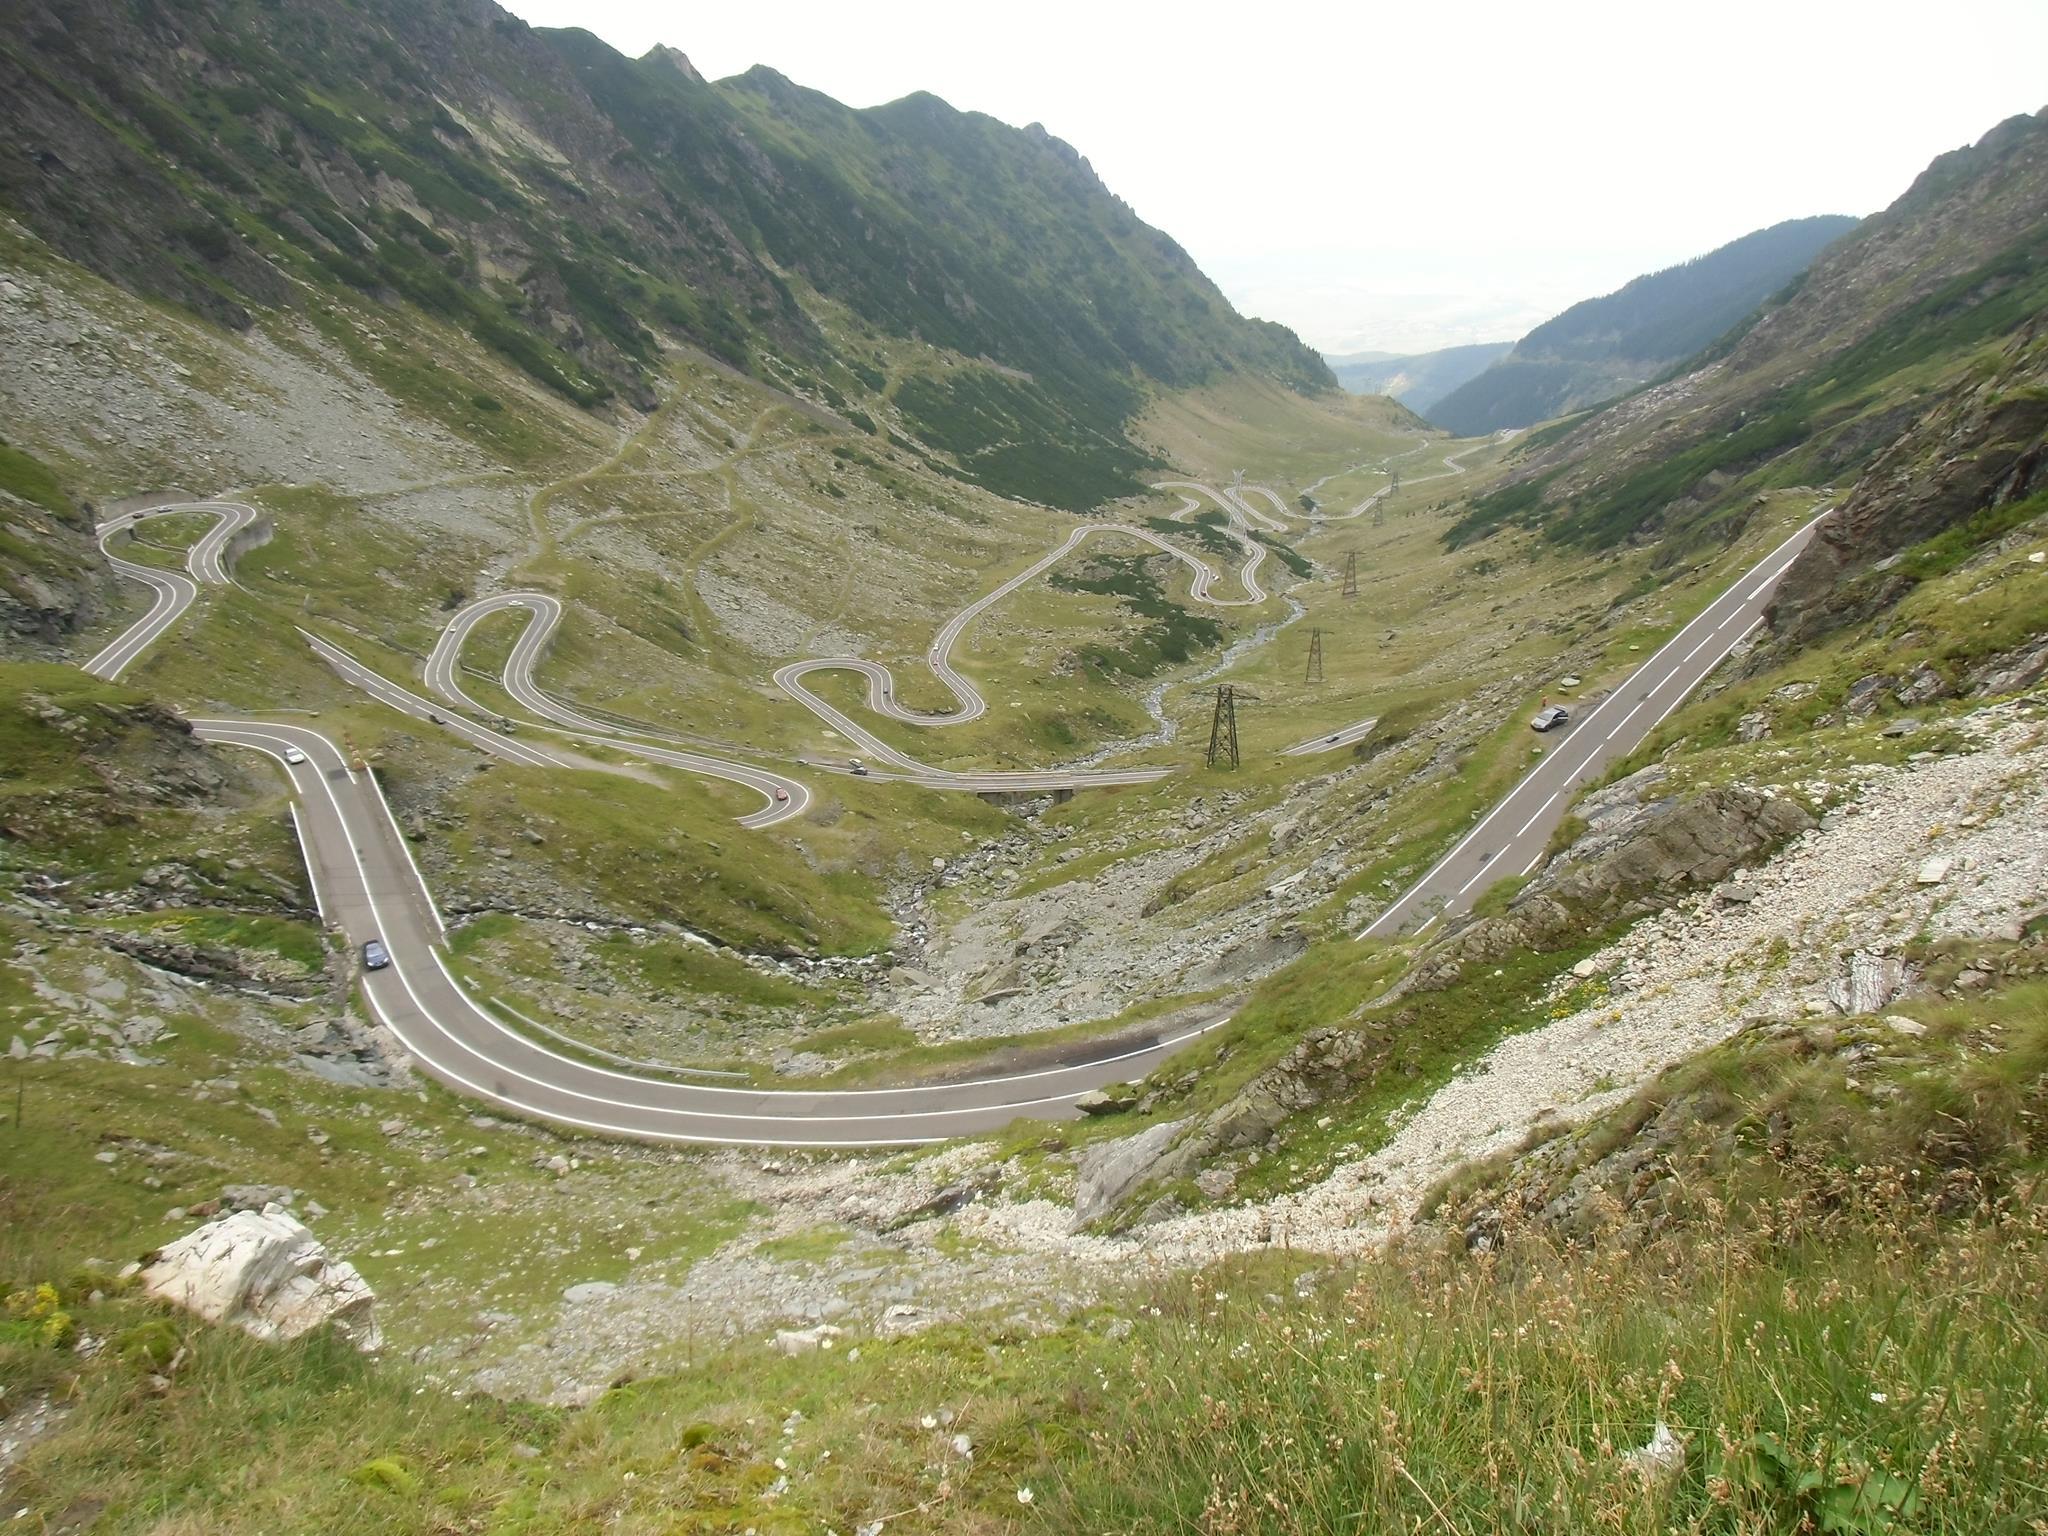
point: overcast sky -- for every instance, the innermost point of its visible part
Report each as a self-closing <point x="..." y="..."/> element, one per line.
<point x="1401" y="177"/>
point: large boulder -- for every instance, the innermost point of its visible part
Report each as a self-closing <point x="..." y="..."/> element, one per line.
<point x="1112" y="1170"/>
<point x="266" y="1273"/>
<point x="1326" y="1065"/>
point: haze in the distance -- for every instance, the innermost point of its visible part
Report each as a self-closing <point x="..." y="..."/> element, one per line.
<point x="1403" y="177"/>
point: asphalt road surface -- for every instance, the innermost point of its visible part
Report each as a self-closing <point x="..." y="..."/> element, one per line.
<point x="1331" y="741"/>
<point x="172" y="592"/>
<point x="443" y="677"/>
<point x="1512" y="836"/>
<point x="782" y="797"/>
<point x="368" y="886"/>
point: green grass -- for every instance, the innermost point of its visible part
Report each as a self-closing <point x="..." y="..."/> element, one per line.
<point x="1846" y="1338"/>
<point x="1173" y="633"/>
<point x="668" y="967"/>
<point x="812" y="1246"/>
<point x="32" y="480"/>
<point x="863" y="1036"/>
<point x="299" y="943"/>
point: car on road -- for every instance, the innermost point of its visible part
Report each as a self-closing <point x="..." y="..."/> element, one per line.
<point x="1550" y="719"/>
<point x="856" y="766"/>
<point x="436" y="719"/>
<point x="294" y="756"/>
<point x="375" y="955"/>
<point x="1331" y="738"/>
<point x="781" y="796"/>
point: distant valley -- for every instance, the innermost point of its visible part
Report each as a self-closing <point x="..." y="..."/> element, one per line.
<point x="1417" y="381"/>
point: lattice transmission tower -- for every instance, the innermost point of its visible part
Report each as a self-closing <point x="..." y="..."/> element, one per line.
<point x="1223" y="724"/>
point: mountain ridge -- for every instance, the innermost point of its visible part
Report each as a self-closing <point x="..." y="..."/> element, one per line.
<point x="577" y="211"/>
<point x="1602" y="346"/>
<point x="1417" y="379"/>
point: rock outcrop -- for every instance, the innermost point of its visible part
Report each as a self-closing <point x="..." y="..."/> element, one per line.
<point x="53" y="581"/>
<point x="1636" y="856"/>
<point x="1984" y="448"/>
<point x="266" y="1273"/>
<point x="1324" y="1066"/>
<point x="1112" y="1171"/>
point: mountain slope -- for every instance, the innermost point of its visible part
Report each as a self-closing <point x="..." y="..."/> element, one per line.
<point x="1911" y="355"/>
<point x="1420" y="380"/>
<point x="1598" y="348"/>
<point x="579" y="212"/>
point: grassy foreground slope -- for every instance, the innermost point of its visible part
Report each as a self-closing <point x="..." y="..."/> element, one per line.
<point x="1836" y="1311"/>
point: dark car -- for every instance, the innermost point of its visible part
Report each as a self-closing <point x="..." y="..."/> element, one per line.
<point x="1550" y="719"/>
<point x="375" y="955"/>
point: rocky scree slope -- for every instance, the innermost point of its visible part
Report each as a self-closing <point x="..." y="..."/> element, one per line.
<point x="579" y="212"/>
<point x="53" y="581"/>
<point x="1826" y="928"/>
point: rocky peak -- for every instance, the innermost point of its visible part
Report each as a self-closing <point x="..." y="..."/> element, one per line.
<point x="675" y="59"/>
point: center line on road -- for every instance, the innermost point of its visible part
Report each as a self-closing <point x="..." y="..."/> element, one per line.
<point x="1481" y="875"/>
<point x="1546" y="805"/>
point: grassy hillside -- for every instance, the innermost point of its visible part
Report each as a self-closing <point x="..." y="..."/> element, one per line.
<point x="577" y="212"/>
<point x="1921" y="317"/>
<point x="1829" y="1294"/>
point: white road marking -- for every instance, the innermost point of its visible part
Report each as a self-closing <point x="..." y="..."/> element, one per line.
<point x="306" y="854"/>
<point x="1546" y="805"/>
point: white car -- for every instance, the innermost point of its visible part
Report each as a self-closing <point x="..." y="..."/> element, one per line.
<point x="294" y="756"/>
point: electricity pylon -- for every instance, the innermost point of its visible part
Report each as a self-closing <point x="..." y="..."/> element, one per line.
<point x="1223" y="724"/>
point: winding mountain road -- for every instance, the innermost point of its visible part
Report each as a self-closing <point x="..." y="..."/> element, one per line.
<point x="368" y="886"/>
<point x="173" y="592"/>
<point x="544" y="613"/>
<point x="784" y="797"/>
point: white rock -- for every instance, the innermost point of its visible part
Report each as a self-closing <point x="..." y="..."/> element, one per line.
<point x="801" y="1341"/>
<point x="1868" y="983"/>
<point x="1662" y="1457"/>
<point x="1934" y="871"/>
<point x="266" y="1273"/>
<point x="1901" y="1025"/>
